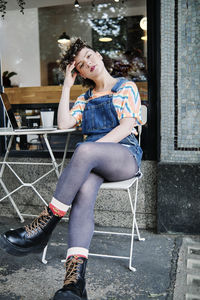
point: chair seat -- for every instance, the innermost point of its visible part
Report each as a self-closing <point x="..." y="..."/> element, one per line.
<point x="121" y="185"/>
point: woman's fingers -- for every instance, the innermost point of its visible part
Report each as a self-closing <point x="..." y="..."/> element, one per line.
<point x="70" y="67"/>
<point x="69" y="76"/>
<point x="74" y="75"/>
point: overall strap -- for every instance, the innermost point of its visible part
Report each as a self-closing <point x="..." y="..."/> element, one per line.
<point x="88" y="94"/>
<point x="116" y="87"/>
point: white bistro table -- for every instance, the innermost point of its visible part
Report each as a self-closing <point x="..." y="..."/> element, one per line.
<point x="9" y="132"/>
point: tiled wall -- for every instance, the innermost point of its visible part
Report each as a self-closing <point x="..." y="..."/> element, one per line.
<point x="180" y="69"/>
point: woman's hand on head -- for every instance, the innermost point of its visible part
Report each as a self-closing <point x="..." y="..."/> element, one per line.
<point x="69" y="76"/>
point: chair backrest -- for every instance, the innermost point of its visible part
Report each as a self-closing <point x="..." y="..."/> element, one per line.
<point x="144" y="120"/>
<point x="144" y="114"/>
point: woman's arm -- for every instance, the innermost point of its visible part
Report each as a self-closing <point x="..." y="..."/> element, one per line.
<point x="120" y="132"/>
<point x="65" y="119"/>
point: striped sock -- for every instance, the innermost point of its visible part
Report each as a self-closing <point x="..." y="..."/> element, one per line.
<point x="77" y="251"/>
<point x="58" y="208"/>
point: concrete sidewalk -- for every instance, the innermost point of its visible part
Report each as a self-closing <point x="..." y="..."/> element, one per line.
<point x="107" y="279"/>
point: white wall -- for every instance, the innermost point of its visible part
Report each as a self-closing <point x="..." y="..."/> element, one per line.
<point x="19" y="46"/>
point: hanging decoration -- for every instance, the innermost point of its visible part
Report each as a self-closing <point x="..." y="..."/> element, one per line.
<point x="3" y="4"/>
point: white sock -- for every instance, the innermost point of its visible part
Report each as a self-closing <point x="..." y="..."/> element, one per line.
<point x="77" y="251"/>
<point x="58" y="208"/>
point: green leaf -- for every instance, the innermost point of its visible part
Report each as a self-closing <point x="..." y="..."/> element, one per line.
<point x="5" y="73"/>
<point x="11" y="74"/>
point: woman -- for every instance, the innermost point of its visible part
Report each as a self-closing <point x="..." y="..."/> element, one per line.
<point x="107" y="113"/>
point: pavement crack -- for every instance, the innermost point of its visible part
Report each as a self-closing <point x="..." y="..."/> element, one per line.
<point x="175" y="255"/>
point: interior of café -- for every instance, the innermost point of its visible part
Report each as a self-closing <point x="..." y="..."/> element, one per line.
<point x="33" y="43"/>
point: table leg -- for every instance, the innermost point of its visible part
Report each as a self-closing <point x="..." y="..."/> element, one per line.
<point x="65" y="152"/>
<point x="12" y="201"/>
<point x="2" y="183"/>
<point x="6" y="156"/>
<point x="55" y="165"/>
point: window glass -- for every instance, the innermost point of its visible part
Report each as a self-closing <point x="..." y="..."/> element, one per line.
<point x="117" y="30"/>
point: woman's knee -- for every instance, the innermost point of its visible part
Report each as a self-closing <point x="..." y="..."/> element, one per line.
<point x="84" y="149"/>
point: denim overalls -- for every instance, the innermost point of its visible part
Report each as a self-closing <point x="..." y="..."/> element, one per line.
<point x="100" y="117"/>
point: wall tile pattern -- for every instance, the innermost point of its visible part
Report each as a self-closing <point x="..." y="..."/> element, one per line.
<point x="188" y="121"/>
<point x="180" y="105"/>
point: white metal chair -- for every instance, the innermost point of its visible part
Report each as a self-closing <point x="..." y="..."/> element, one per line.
<point x="125" y="186"/>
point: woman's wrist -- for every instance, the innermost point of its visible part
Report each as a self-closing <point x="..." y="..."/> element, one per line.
<point x="66" y="87"/>
<point x="65" y="92"/>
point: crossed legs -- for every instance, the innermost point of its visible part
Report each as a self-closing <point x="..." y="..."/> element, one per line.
<point x="91" y="164"/>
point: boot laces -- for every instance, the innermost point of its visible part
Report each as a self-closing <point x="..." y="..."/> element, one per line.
<point x="71" y="270"/>
<point x="39" y="222"/>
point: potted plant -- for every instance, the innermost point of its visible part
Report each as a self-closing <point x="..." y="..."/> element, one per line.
<point x="6" y="78"/>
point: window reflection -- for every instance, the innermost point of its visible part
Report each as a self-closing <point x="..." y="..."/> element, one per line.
<point x="125" y="52"/>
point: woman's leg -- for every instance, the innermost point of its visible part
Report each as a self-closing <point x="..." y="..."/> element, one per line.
<point x="112" y="161"/>
<point x="81" y="220"/>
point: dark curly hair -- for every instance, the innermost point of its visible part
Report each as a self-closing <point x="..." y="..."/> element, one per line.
<point x="69" y="56"/>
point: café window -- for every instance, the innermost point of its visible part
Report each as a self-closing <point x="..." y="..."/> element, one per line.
<point x="118" y="30"/>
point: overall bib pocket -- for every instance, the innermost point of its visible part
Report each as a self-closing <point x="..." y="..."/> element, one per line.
<point x="98" y="117"/>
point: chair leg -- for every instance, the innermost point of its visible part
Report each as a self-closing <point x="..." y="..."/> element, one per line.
<point x="134" y="225"/>
<point x="44" y="261"/>
<point x="138" y="233"/>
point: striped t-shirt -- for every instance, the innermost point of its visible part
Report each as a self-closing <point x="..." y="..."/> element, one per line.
<point x="126" y="102"/>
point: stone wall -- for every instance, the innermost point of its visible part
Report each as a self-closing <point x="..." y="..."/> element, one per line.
<point x="180" y="69"/>
<point x="112" y="207"/>
<point x="178" y="172"/>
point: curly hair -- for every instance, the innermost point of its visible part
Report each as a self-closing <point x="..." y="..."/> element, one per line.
<point x="69" y="56"/>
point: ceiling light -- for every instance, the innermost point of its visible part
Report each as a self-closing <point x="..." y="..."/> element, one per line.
<point x="143" y="23"/>
<point x="105" y="39"/>
<point x="116" y="0"/>
<point x="64" y="38"/>
<point x="144" y="38"/>
<point x="76" y="4"/>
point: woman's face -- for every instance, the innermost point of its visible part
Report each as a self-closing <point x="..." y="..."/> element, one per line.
<point x="89" y="63"/>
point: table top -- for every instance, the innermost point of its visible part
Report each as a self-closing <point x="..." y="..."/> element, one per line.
<point x="10" y="131"/>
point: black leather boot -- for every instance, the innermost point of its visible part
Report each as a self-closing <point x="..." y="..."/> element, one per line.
<point x="31" y="238"/>
<point x="74" y="283"/>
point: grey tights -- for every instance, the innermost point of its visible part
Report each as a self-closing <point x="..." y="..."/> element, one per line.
<point x="90" y="165"/>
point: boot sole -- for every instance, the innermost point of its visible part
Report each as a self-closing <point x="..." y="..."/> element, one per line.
<point x="70" y="296"/>
<point x="18" y="251"/>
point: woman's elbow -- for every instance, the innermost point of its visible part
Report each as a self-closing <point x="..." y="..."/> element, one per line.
<point x="66" y="124"/>
<point x="63" y="125"/>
